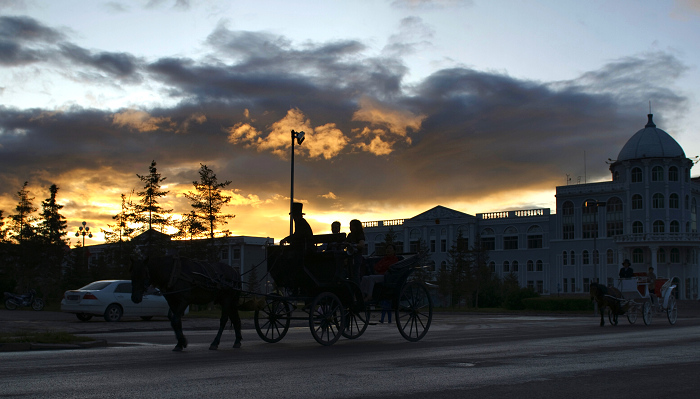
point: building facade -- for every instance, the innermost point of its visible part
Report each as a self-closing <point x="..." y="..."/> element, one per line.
<point x="647" y="213"/>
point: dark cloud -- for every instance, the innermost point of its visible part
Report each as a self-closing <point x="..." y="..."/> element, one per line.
<point x="24" y="40"/>
<point x="459" y="135"/>
<point x="115" y="65"/>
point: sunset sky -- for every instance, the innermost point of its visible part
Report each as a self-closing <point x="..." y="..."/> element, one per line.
<point x="406" y="104"/>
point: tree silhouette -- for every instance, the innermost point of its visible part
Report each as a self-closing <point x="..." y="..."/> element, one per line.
<point x="22" y="219"/>
<point x="53" y="225"/>
<point x="148" y="211"/>
<point x="208" y="200"/>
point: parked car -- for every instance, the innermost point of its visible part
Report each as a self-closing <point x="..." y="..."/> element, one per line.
<point x="111" y="299"/>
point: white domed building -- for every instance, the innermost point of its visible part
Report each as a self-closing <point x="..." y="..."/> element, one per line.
<point x="647" y="214"/>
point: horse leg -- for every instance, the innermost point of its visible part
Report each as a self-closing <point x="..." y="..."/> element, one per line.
<point x="176" y="324"/>
<point x="222" y="324"/>
<point x="601" y="307"/>
<point x="236" y="321"/>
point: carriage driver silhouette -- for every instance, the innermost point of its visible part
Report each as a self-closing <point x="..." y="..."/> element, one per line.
<point x="302" y="239"/>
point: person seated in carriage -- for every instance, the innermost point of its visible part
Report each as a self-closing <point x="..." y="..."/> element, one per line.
<point x="626" y="271"/>
<point x="302" y="240"/>
<point x="651" y="281"/>
<point x="355" y="245"/>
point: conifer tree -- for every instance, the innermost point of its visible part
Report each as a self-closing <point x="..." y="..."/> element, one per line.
<point x="53" y="225"/>
<point x="148" y="211"/>
<point x="208" y="200"/>
<point x="22" y="220"/>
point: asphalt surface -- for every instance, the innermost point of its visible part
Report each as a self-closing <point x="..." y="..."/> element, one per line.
<point x="46" y="321"/>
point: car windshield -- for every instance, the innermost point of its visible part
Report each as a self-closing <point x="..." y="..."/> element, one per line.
<point x="96" y="286"/>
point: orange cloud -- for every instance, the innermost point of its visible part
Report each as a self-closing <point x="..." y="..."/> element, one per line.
<point x="142" y="121"/>
<point x="397" y="121"/>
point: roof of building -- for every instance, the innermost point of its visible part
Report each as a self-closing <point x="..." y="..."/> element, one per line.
<point x="650" y="142"/>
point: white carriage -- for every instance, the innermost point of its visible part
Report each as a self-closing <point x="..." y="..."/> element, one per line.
<point x="637" y="298"/>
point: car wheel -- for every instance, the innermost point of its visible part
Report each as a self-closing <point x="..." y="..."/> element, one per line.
<point x="84" y="317"/>
<point x="113" y="313"/>
<point x="146" y="318"/>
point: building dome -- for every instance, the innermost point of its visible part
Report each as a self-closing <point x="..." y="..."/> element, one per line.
<point x="650" y="142"/>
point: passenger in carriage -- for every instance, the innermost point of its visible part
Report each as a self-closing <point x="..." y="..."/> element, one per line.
<point x="626" y="271"/>
<point x="389" y="259"/>
<point x="651" y="278"/>
<point x="333" y="246"/>
<point x="355" y="245"/>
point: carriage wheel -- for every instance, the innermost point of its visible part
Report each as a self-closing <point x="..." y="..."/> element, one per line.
<point x="672" y="310"/>
<point x="646" y="313"/>
<point x="356" y="321"/>
<point x="327" y="318"/>
<point x="611" y="317"/>
<point x="414" y="311"/>
<point x="632" y="315"/>
<point x="275" y="315"/>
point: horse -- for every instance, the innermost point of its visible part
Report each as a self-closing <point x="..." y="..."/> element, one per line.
<point x="607" y="297"/>
<point x="184" y="282"/>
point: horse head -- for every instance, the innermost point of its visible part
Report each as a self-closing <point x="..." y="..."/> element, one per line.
<point x="139" y="278"/>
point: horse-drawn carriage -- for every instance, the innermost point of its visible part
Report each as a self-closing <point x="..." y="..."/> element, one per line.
<point x="631" y="297"/>
<point x="319" y="287"/>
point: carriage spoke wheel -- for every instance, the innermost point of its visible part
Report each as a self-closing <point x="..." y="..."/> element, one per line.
<point x="672" y="310"/>
<point x="327" y="318"/>
<point x="611" y="317"/>
<point x="632" y="315"/>
<point x="646" y="313"/>
<point x="272" y="321"/>
<point x="357" y="320"/>
<point x="414" y="311"/>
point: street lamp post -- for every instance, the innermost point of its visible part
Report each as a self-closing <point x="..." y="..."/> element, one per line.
<point x="83" y="230"/>
<point x="299" y="136"/>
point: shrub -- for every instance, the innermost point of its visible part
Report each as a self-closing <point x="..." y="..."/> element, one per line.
<point x="558" y="304"/>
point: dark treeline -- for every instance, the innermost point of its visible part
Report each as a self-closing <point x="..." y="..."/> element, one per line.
<point x="34" y="250"/>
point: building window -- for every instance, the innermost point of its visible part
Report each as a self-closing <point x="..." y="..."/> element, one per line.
<point x="613" y="217"/>
<point x="565" y="256"/>
<point x="658" y="226"/>
<point x="566" y="285"/>
<point x="610" y="257"/>
<point x="638" y="255"/>
<point x="488" y="239"/>
<point x="694" y="216"/>
<point x="530" y="266"/>
<point x="673" y="201"/>
<point x="492" y="266"/>
<point x="586" y="285"/>
<point x="224" y="253"/>
<point x="534" y="237"/>
<point x="661" y="256"/>
<point x="531" y="285"/>
<point x="510" y="238"/>
<point x="573" y="258"/>
<point x="539" y="266"/>
<point x="637" y="227"/>
<point x="657" y="173"/>
<point x="506" y="266"/>
<point x="540" y="287"/>
<point x="414" y="241"/>
<point x="637" y="202"/>
<point x="568" y="220"/>
<point x="443" y="240"/>
<point x="596" y="257"/>
<point x="586" y="260"/>
<point x="636" y="175"/>
<point x="657" y="201"/>
<point x="515" y="266"/>
<point x="673" y="173"/>
<point x="236" y="253"/>
<point x="432" y="245"/>
<point x="674" y="227"/>
<point x="589" y="218"/>
<point x="573" y="285"/>
<point x="675" y="255"/>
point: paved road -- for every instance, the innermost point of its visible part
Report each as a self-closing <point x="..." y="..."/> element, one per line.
<point x="480" y="356"/>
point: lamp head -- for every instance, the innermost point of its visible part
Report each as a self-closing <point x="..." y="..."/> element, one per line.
<point x="300" y="137"/>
